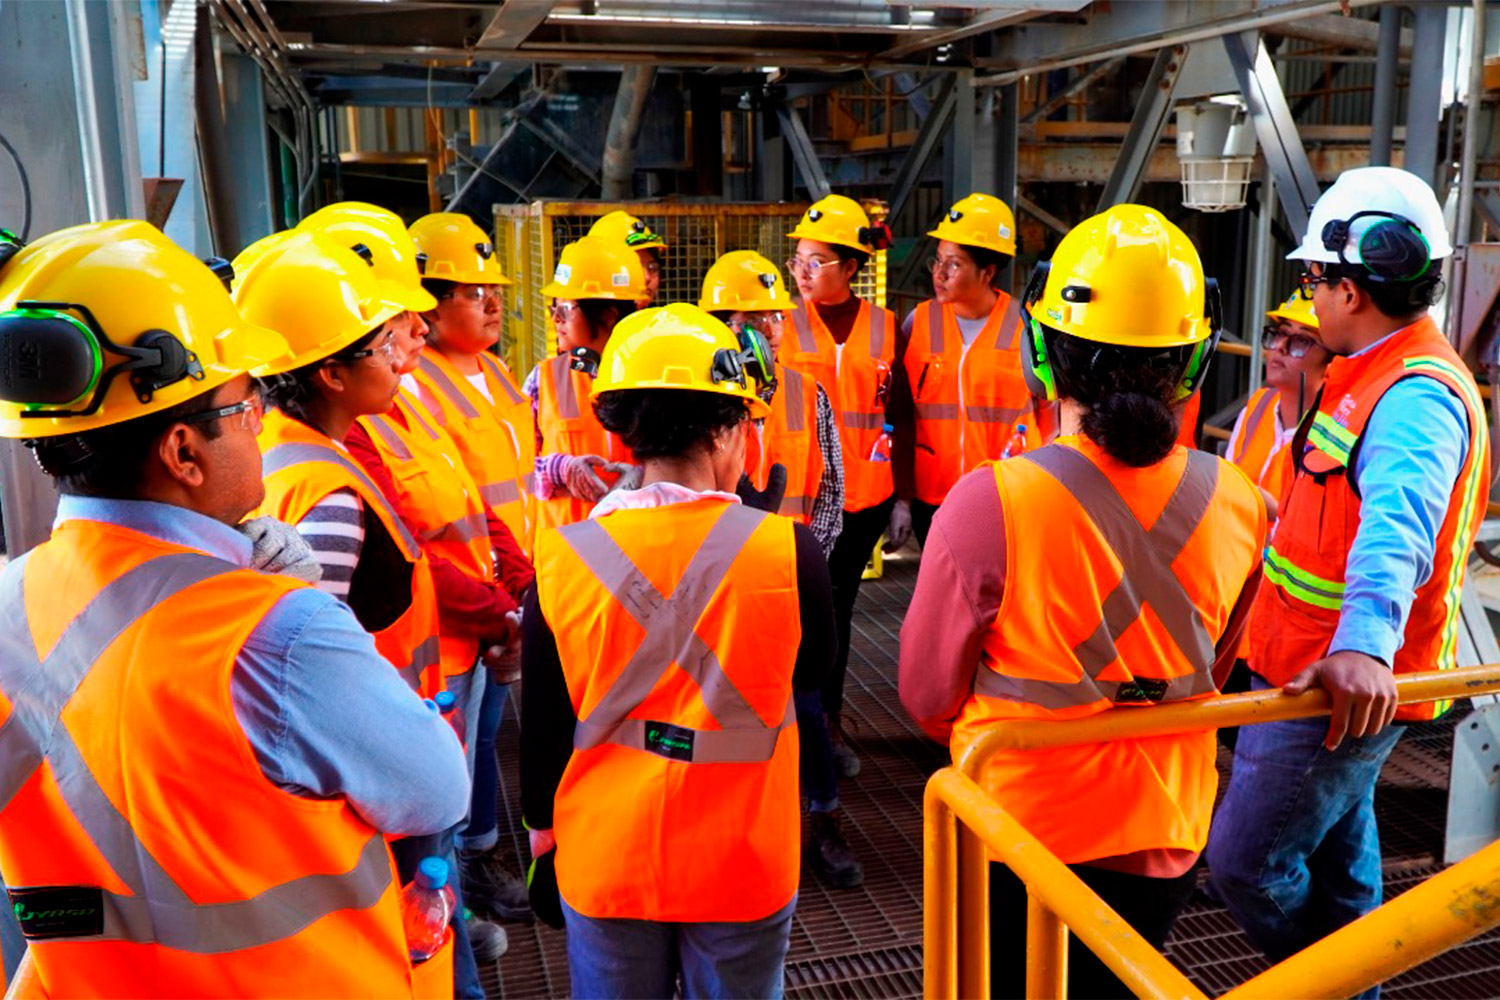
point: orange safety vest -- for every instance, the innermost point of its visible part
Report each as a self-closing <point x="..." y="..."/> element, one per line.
<point x="789" y="436"/>
<point x="1256" y="452"/>
<point x="857" y="377"/>
<point x="144" y="849"/>
<point x="684" y="707"/>
<point x="1296" y="615"/>
<point x="301" y="467"/>
<point x="1155" y="560"/>
<point x="494" y="440"/>
<point x="565" y="417"/>
<point x="969" y="396"/>
<point x="437" y="495"/>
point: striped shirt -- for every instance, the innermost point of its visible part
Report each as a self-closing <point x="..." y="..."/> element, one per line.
<point x="335" y="531"/>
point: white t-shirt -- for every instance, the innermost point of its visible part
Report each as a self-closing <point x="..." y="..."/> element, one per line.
<point x="478" y="382"/>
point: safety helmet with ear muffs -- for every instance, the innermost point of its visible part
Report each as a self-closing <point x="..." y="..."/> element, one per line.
<point x="86" y="305"/>
<point x="843" y="222"/>
<point x="1126" y="277"/>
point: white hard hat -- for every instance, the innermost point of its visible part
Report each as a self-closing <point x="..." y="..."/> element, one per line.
<point x="1387" y="200"/>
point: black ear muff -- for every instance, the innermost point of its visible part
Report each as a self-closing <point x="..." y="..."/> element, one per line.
<point x="172" y="364"/>
<point x="1036" y="369"/>
<point x="46" y="359"/>
<point x="10" y="245"/>
<point x="365" y="253"/>
<point x="1391" y="249"/>
<point x="877" y="236"/>
<point x="222" y="269"/>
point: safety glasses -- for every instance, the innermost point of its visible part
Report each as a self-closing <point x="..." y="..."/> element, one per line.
<point x="1293" y="345"/>
<point x="1307" y="282"/>
<point x="249" y="410"/>
<point x="810" y="266"/>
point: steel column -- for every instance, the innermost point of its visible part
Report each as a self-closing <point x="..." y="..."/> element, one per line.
<point x="1424" y="92"/>
<point x="1151" y="113"/>
<point x="1296" y="185"/>
<point x="1387" y="65"/>
<point x="1007" y="165"/>
<point x="964" y="128"/>
<point x="1078" y="83"/>
<point x="1256" y="264"/>
<point x="915" y="162"/>
<point x="624" y="128"/>
<point x="803" y="154"/>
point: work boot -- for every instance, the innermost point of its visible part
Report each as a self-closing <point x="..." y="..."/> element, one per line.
<point x="845" y="760"/>
<point x="492" y="887"/>
<point x="487" y="940"/>
<point x="832" y="858"/>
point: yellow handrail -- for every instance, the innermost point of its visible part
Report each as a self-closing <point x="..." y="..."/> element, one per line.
<point x="1395" y="937"/>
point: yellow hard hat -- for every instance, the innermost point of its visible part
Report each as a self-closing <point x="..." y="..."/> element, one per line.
<point x="840" y="220"/>
<point x="109" y="321"/>
<point x="980" y="220"/>
<point x="743" y="281"/>
<point x="1127" y="276"/>
<point x="247" y="257"/>
<point x="1296" y="310"/>
<point x="679" y="346"/>
<point x="455" y="249"/>
<point x="320" y="296"/>
<point x="594" y="268"/>
<point x="625" y="228"/>
<point x="382" y="235"/>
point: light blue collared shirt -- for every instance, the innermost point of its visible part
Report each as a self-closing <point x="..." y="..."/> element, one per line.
<point x="1410" y="457"/>
<point x="326" y="714"/>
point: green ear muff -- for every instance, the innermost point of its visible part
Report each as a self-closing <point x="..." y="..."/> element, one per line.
<point x="1035" y="368"/>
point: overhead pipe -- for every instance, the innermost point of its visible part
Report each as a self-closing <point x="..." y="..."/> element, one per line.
<point x="624" y="128"/>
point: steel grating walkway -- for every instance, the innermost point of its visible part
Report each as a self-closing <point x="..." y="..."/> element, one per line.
<point x="867" y="942"/>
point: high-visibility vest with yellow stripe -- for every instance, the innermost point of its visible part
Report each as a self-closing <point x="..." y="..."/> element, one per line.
<point x="1144" y="568"/>
<point x="857" y="377"/>
<point x="677" y="628"/>
<point x="789" y="436"/>
<point x="302" y="466"/>
<point x="565" y="417"/>
<point x="440" y="500"/>
<point x="1298" y="609"/>
<point x="493" y="439"/>
<point x="969" y="397"/>
<point x="146" y="852"/>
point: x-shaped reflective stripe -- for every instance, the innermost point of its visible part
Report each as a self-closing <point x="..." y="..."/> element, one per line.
<point x="157" y="909"/>
<point x="449" y="388"/>
<point x="562" y="382"/>
<point x="1146" y="559"/>
<point x="670" y="624"/>
<point x="284" y="456"/>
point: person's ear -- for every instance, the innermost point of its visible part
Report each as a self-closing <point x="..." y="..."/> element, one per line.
<point x="179" y="450"/>
<point x="332" y="377"/>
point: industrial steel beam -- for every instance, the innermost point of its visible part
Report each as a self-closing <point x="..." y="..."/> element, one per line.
<point x="1078" y="83"/>
<point x="1424" y="93"/>
<point x="1383" y="114"/>
<point x="961" y="151"/>
<point x="979" y="23"/>
<point x="1296" y="185"/>
<point x="513" y="23"/>
<point x="1151" y="113"/>
<point x="501" y="75"/>
<point x="624" y="126"/>
<point x="794" y="133"/>
<point x="928" y="137"/>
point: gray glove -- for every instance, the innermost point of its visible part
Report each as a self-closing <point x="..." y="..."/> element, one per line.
<point x="278" y="548"/>
<point x="898" y="531"/>
<point x="630" y="476"/>
<point x="581" y="478"/>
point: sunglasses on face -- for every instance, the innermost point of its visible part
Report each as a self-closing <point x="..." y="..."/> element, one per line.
<point x="1307" y="283"/>
<point x="1293" y="345"/>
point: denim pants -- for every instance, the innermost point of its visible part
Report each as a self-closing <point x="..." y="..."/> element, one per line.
<point x="483" y="830"/>
<point x="611" y="957"/>
<point x="820" y="782"/>
<point x="1293" y="849"/>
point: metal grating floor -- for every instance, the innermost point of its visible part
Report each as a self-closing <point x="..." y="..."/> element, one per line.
<point x="866" y="942"/>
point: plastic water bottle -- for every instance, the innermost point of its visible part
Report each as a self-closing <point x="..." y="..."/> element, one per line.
<point x="882" y="450"/>
<point x="427" y="907"/>
<point x="448" y="706"/>
<point x="1016" y="444"/>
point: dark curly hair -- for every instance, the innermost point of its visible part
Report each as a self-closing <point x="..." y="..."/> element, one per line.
<point x="667" y="423"/>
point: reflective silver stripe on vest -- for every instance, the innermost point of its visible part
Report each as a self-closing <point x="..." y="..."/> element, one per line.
<point x="462" y="531"/>
<point x="877" y="331"/>
<point x="157" y="910"/>
<point x="448" y="386"/>
<point x="670" y="623"/>
<point x="794" y="403"/>
<point x="994" y="414"/>
<point x="382" y="426"/>
<point x="284" y="456"/>
<point x="806" y="342"/>
<point x="500" y="494"/>
<point x="562" y="384"/>
<point x="1251" y="426"/>
<point x="854" y="420"/>
<point x="424" y="656"/>
<point x="1005" y="337"/>
<point x="415" y="416"/>
<point x="1147" y="578"/>
<point x="936" y="338"/>
<point x="505" y="386"/>
<point x="937" y="411"/>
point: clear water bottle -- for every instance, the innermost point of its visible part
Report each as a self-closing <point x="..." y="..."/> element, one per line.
<point x="882" y="450"/>
<point x="448" y="706"/>
<point x="427" y="908"/>
<point x="1016" y="444"/>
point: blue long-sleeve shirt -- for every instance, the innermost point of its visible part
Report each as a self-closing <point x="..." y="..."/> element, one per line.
<point x="325" y="713"/>
<point x="1410" y="457"/>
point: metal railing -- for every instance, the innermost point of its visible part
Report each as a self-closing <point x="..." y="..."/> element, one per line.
<point x="961" y="822"/>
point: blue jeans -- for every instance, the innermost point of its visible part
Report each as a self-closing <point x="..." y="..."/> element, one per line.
<point x="408" y="853"/>
<point x="820" y="783"/>
<point x="1293" y="849"/>
<point x="483" y="831"/>
<point x="642" y="958"/>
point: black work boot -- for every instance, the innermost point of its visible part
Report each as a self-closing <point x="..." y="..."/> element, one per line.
<point x="845" y="760"/>
<point x="831" y="857"/>
<point x="491" y="887"/>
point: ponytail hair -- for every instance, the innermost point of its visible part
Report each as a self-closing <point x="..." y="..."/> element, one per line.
<point x="1129" y="394"/>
